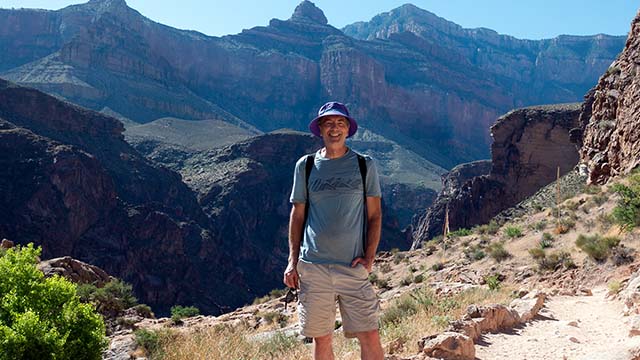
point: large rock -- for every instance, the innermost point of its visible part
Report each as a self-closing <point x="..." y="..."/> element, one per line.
<point x="529" y="145"/>
<point x="611" y="140"/>
<point x="449" y="346"/>
<point x="74" y="270"/>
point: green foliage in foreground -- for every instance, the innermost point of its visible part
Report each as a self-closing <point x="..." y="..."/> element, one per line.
<point x="179" y="312"/>
<point x="627" y="212"/>
<point x="43" y="318"/>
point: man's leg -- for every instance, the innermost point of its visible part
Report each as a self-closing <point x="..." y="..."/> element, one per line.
<point x="370" y="346"/>
<point x="322" y="347"/>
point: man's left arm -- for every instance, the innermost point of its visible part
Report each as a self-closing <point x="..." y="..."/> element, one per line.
<point x="374" y="228"/>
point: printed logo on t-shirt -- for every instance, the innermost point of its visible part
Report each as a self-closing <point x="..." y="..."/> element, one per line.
<point x="334" y="183"/>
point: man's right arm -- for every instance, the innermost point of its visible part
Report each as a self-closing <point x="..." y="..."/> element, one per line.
<point x="296" y="224"/>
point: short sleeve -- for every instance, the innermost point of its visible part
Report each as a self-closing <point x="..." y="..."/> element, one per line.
<point x="299" y="190"/>
<point x="373" y="181"/>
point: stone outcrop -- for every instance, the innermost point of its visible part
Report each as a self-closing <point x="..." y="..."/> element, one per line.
<point x="74" y="270"/>
<point x="611" y="140"/>
<point x="429" y="86"/>
<point x="529" y="145"/>
<point x="448" y="345"/>
<point x="432" y="222"/>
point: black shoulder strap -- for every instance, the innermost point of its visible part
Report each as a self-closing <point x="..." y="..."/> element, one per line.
<point x="362" y="165"/>
<point x="308" y="166"/>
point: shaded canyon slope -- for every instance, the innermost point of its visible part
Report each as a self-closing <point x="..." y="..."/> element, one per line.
<point x="71" y="184"/>
<point x="610" y="120"/>
<point x="530" y="144"/>
<point x="74" y="186"/>
<point x="416" y="79"/>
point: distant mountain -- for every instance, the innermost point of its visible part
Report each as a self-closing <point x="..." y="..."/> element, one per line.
<point x="418" y="80"/>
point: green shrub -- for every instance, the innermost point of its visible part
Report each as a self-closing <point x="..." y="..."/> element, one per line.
<point x="546" y="241"/>
<point x="401" y="308"/>
<point x="513" y="231"/>
<point x="144" y="310"/>
<point x="437" y="266"/>
<point x="596" y="246"/>
<point x="111" y="299"/>
<point x="179" y="312"/>
<point x="540" y="225"/>
<point x="474" y="253"/>
<point x="418" y="278"/>
<point x="493" y="282"/>
<point x="599" y="199"/>
<point x="271" y="317"/>
<point x="552" y="261"/>
<point x="491" y="228"/>
<point x="151" y="341"/>
<point x="43" y="318"/>
<point x="461" y="232"/>
<point x="564" y="225"/>
<point x="497" y="251"/>
<point x="615" y="287"/>
<point x="627" y="211"/>
<point x="373" y="277"/>
<point x="397" y="257"/>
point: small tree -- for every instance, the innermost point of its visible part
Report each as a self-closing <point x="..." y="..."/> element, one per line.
<point x="43" y="318"/>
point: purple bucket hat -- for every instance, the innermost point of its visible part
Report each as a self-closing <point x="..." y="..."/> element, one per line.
<point x="333" y="108"/>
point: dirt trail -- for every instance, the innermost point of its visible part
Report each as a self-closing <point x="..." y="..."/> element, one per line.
<point x="601" y="333"/>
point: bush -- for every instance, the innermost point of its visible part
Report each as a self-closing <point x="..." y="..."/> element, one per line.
<point x="418" y="279"/>
<point x="513" y="231"/>
<point x="546" y="241"/>
<point x="564" y="225"/>
<point x="114" y="297"/>
<point x="596" y="246"/>
<point x="179" y="312"/>
<point x="592" y="189"/>
<point x="497" y="251"/>
<point x="627" y="211"/>
<point x="43" y="318"/>
<point x="144" y="310"/>
<point x="540" y="225"/>
<point x="437" y="266"/>
<point x="382" y="283"/>
<point x="491" y="228"/>
<point x="474" y="253"/>
<point x="407" y="280"/>
<point x="272" y="317"/>
<point x="615" y="287"/>
<point x="621" y="255"/>
<point x="537" y="253"/>
<point x="461" y="232"/>
<point x="493" y="282"/>
<point x="552" y="261"/>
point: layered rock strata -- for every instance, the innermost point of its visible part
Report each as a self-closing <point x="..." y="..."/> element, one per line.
<point x="611" y="140"/>
<point x="530" y="144"/>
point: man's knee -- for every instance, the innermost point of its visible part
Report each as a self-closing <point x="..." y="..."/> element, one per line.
<point x="323" y="340"/>
<point x="368" y="336"/>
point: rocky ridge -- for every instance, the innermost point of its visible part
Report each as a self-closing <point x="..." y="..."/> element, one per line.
<point x="610" y="145"/>
<point x="529" y="145"/>
<point x="104" y="54"/>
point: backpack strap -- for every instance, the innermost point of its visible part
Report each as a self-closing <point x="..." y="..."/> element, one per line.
<point x="362" y="165"/>
<point x="308" y="166"/>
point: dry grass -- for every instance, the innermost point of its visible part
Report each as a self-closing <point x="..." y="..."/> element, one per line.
<point x="226" y="342"/>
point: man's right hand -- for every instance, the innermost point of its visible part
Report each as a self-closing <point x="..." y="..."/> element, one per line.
<point x="291" y="277"/>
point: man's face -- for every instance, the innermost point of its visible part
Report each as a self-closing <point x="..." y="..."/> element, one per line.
<point x="334" y="129"/>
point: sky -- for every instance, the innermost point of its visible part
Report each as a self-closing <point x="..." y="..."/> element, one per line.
<point x="532" y="19"/>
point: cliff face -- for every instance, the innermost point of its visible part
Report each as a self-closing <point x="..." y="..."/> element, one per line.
<point x="611" y="140"/>
<point x="427" y="86"/>
<point x="71" y="184"/>
<point x="529" y="145"/>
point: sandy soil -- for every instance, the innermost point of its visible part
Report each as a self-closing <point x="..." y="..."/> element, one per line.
<point x="569" y="327"/>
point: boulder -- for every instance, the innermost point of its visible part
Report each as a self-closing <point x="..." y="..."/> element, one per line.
<point x="448" y="345"/>
<point x="529" y="305"/>
<point x="6" y="244"/>
<point x="75" y="270"/>
<point x="630" y="296"/>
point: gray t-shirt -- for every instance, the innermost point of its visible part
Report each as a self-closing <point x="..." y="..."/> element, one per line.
<point x="333" y="233"/>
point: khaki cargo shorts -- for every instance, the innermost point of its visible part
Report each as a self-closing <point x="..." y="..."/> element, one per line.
<point x="321" y="285"/>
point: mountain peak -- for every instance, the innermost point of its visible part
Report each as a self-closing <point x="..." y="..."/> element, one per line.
<point x="307" y="11"/>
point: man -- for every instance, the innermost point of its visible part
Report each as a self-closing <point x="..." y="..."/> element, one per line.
<point x="332" y="244"/>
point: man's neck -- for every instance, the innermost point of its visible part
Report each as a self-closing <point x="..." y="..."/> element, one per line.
<point x="334" y="152"/>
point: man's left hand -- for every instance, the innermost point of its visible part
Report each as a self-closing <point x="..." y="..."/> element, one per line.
<point x="368" y="264"/>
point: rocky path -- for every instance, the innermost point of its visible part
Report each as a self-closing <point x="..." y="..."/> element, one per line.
<point x="569" y="327"/>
